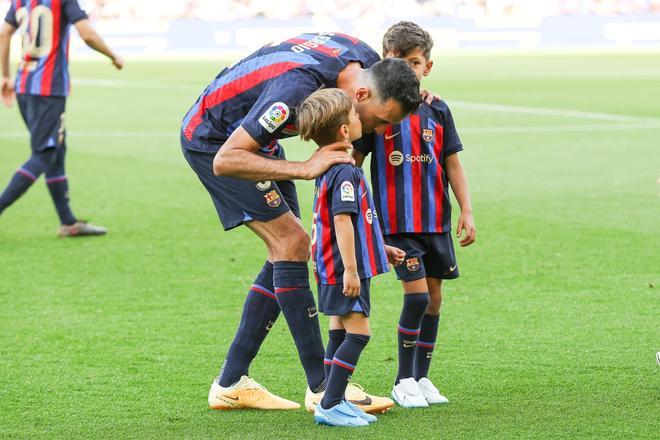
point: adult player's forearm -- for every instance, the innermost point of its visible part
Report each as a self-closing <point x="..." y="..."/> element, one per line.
<point x="96" y="42"/>
<point x="246" y="165"/>
<point x="346" y="241"/>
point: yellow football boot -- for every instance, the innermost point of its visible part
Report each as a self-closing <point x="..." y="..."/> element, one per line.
<point x="366" y="402"/>
<point x="246" y="393"/>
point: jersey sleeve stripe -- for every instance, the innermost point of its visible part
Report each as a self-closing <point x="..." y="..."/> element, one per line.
<point x="234" y="88"/>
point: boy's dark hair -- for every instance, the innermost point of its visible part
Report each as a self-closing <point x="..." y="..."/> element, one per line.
<point x="393" y="78"/>
<point x="404" y="37"/>
<point x="321" y="115"/>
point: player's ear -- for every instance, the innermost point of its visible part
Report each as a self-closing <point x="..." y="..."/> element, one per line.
<point x="344" y="133"/>
<point x="362" y="94"/>
<point x="429" y="66"/>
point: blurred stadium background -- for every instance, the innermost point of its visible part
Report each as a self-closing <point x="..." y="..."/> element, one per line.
<point x="170" y="28"/>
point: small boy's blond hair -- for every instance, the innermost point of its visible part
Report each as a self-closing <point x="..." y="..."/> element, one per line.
<point x="321" y="115"/>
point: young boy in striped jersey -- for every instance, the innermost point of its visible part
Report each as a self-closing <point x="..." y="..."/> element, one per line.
<point x="412" y="165"/>
<point x="347" y="250"/>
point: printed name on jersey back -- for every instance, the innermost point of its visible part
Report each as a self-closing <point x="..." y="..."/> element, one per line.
<point x="315" y="42"/>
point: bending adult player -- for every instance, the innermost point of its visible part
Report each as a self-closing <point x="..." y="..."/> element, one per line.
<point x="41" y="88"/>
<point x="230" y="139"/>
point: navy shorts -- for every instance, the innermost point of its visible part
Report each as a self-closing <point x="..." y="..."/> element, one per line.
<point x="427" y="255"/>
<point x="333" y="302"/>
<point x="44" y="118"/>
<point x="239" y="201"/>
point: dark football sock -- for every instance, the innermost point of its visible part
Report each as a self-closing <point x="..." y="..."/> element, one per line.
<point x="425" y="345"/>
<point x="25" y="176"/>
<point x="335" y="338"/>
<point x="343" y="365"/>
<point x="291" y="279"/>
<point x="414" y="306"/>
<point x="260" y="311"/>
<point x="58" y="185"/>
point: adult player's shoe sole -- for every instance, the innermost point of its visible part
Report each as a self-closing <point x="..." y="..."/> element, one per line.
<point x="246" y="393"/>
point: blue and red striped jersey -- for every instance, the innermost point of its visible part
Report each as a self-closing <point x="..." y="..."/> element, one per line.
<point x="44" y="26"/>
<point x="407" y="171"/>
<point x="261" y="92"/>
<point x="343" y="189"/>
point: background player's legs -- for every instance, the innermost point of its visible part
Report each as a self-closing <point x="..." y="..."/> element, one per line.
<point x="288" y="246"/>
<point x="259" y="314"/>
<point x="26" y="175"/>
<point x="429" y="329"/>
<point x="58" y="186"/>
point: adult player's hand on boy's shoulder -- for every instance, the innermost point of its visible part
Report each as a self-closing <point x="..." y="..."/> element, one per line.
<point x="395" y="255"/>
<point x="429" y="97"/>
<point x="466" y="224"/>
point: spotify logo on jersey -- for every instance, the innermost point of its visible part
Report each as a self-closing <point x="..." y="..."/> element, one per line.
<point x="396" y="158"/>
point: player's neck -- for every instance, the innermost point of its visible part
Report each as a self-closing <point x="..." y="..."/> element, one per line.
<point x="349" y="78"/>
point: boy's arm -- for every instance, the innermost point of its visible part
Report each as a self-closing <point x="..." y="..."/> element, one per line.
<point x="458" y="182"/>
<point x="346" y="241"/>
<point x="6" y="32"/>
<point x="94" y="40"/>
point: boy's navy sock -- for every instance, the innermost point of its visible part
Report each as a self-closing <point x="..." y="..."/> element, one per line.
<point x="260" y="311"/>
<point x="343" y="365"/>
<point x="291" y="280"/>
<point x="425" y="345"/>
<point x="414" y="306"/>
<point x="335" y="338"/>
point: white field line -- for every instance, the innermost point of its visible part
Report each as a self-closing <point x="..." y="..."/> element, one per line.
<point x="544" y="111"/>
<point x="174" y="135"/>
<point x="488" y="107"/>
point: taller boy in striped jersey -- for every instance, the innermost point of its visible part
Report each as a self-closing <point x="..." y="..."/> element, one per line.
<point x="41" y="88"/>
<point x="413" y="163"/>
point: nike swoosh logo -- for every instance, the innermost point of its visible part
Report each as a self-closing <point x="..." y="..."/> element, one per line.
<point x="235" y="399"/>
<point x="451" y="269"/>
<point x="387" y="138"/>
<point x="311" y="315"/>
<point x="366" y="401"/>
<point x="408" y="345"/>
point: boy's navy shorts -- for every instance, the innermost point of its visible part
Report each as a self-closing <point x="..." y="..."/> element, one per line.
<point x="239" y="201"/>
<point x="44" y="118"/>
<point x="427" y="255"/>
<point x="333" y="302"/>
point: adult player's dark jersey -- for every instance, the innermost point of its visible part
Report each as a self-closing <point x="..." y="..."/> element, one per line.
<point x="407" y="171"/>
<point x="44" y="26"/>
<point x="343" y="190"/>
<point x="260" y="92"/>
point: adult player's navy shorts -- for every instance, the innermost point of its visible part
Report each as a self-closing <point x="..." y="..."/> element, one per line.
<point x="427" y="255"/>
<point x="239" y="201"/>
<point x="333" y="302"/>
<point x="44" y="118"/>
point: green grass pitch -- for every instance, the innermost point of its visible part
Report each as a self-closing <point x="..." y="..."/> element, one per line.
<point x="551" y="331"/>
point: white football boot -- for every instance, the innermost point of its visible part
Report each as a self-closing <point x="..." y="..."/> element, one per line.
<point x="407" y="394"/>
<point x="430" y="392"/>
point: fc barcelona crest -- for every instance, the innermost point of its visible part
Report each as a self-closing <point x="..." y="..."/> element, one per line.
<point x="273" y="199"/>
<point x="427" y="134"/>
<point x="412" y="264"/>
